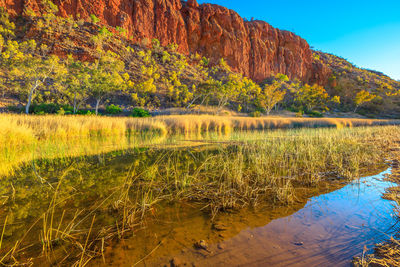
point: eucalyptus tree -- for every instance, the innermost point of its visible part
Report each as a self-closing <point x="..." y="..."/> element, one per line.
<point x="271" y="95"/>
<point x="76" y="82"/>
<point x="107" y="75"/>
<point x="30" y="68"/>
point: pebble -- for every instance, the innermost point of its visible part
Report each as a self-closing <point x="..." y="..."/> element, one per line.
<point x="176" y="262"/>
<point x="201" y="245"/>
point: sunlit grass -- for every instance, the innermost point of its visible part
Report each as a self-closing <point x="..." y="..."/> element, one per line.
<point x="24" y="138"/>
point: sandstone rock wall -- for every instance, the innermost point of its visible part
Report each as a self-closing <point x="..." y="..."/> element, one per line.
<point x="253" y="48"/>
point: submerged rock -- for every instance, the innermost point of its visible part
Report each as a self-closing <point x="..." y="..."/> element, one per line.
<point x="219" y="227"/>
<point x="201" y="245"/>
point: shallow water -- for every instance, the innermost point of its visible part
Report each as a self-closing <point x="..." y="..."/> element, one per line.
<point x="328" y="231"/>
<point x="327" y="225"/>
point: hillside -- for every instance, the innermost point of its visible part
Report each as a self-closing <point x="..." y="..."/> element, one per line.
<point x="180" y="54"/>
<point x="253" y="48"/>
<point x="347" y="79"/>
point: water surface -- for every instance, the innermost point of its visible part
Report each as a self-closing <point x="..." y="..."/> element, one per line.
<point x="328" y="231"/>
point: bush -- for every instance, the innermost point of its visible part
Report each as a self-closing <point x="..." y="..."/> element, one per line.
<point x="16" y="109"/>
<point x="61" y="111"/>
<point x="299" y="114"/>
<point x="85" y="112"/>
<point x="113" y="110"/>
<point x="50" y="108"/>
<point x="94" y="19"/>
<point x="44" y="108"/>
<point x="141" y="113"/>
<point x="314" y="114"/>
<point x="255" y="114"/>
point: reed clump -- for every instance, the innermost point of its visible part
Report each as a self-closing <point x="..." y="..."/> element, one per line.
<point x="22" y="129"/>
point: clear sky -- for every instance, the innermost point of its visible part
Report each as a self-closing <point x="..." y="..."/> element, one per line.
<point x="367" y="33"/>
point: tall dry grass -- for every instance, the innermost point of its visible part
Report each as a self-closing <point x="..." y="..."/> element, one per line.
<point x="21" y="135"/>
<point x="16" y="129"/>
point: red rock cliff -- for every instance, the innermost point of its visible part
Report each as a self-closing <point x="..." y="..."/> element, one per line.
<point x="254" y="48"/>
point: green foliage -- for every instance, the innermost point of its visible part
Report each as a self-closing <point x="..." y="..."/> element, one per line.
<point x="271" y="95"/>
<point x="348" y="80"/>
<point x="94" y="19"/>
<point x="49" y="7"/>
<point x="106" y="76"/>
<point x="50" y="108"/>
<point x="178" y="93"/>
<point x="144" y="76"/>
<point x="76" y="82"/>
<point x="15" y="109"/>
<point x="49" y="18"/>
<point x="6" y="27"/>
<point x="113" y="110"/>
<point x="314" y="114"/>
<point x="312" y="97"/>
<point x="141" y="113"/>
<point x="204" y="61"/>
<point x="156" y="44"/>
<point x="121" y="31"/>
<point x="85" y="112"/>
<point x="255" y="114"/>
<point x="103" y="35"/>
<point x="363" y="97"/>
<point x="30" y="68"/>
<point x="172" y="47"/>
<point x="281" y="77"/>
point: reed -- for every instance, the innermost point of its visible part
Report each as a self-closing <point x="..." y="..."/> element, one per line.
<point x="22" y="130"/>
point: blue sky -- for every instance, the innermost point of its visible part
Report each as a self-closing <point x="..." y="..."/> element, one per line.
<point x="367" y="33"/>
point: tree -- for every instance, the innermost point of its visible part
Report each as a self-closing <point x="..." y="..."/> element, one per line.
<point x="178" y="92"/>
<point x="106" y="76"/>
<point x="103" y="35"/>
<point x="312" y="97"/>
<point x="7" y="27"/>
<point x="248" y="94"/>
<point x="271" y="95"/>
<point x="76" y="82"/>
<point x="30" y="67"/>
<point x="363" y="97"/>
<point x="202" y="92"/>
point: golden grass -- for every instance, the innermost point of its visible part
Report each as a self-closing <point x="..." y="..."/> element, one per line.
<point x="22" y="128"/>
<point x="21" y="134"/>
<point x="207" y="123"/>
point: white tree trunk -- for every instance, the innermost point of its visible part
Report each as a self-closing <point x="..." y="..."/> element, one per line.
<point x="31" y="92"/>
<point x="97" y="106"/>
<point x="75" y="103"/>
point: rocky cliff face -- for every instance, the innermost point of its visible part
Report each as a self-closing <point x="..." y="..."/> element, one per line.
<point x="254" y="48"/>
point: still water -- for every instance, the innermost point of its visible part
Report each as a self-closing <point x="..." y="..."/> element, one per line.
<point x="329" y="230"/>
